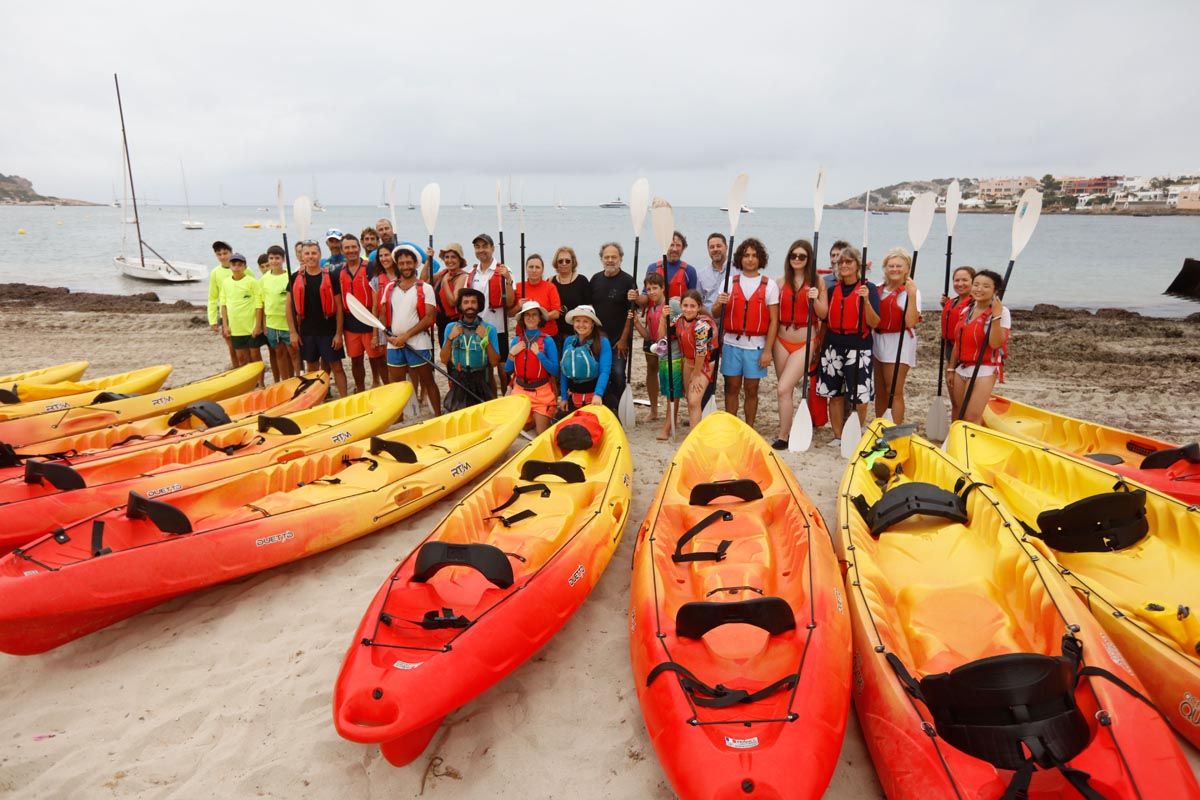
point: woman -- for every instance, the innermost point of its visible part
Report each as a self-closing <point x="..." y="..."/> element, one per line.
<point x="586" y="361"/>
<point x="384" y="273"/>
<point x="952" y="310"/>
<point x="899" y="313"/>
<point x="543" y="291"/>
<point x="798" y="289"/>
<point x="850" y="310"/>
<point x="574" y="290"/>
<point x="533" y="364"/>
<point x="696" y="333"/>
<point x="971" y="349"/>
<point x="446" y="285"/>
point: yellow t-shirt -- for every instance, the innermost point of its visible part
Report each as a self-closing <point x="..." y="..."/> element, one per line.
<point x="275" y="298"/>
<point x="216" y="279"/>
<point x="241" y="299"/>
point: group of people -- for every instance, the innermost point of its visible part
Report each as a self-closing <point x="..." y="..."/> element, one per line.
<point x="565" y="340"/>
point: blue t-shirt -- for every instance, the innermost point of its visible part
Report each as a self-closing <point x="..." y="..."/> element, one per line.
<point x="548" y="356"/>
<point x="604" y="365"/>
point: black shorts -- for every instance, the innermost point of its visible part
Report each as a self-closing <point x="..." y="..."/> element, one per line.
<point x="247" y="342"/>
<point x="319" y="348"/>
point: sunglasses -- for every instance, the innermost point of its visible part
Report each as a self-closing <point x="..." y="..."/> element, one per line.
<point x="848" y="261"/>
<point x="799" y="256"/>
<point x="307" y="242"/>
<point x="563" y="261"/>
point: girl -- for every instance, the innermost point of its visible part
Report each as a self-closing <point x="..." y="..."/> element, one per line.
<point x="573" y="289"/>
<point x="696" y="333"/>
<point x="586" y="361"/>
<point x="851" y="310"/>
<point x="952" y="310"/>
<point x="799" y="288"/>
<point x="648" y="325"/>
<point x="970" y="347"/>
<point x="533" y="364"/>
<point x="899" y="312"/>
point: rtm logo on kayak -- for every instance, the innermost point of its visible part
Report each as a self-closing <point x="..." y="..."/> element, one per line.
<point x="174" y="487"/>
<point x="338" y="438"/>
<point x="575" y="576"/>
<point x="1189" y="708"/>
<point x="460" y="469"/>
<point x="158" y="401"/>
<point x="57" y="407"/>
<point x="276" y="539"/>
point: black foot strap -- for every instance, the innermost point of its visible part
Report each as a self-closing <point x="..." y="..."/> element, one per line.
<point x="488" y="560"/>
<point x="741" y="488"/>
<point x="397" y="450"/>
<point x="98" y="548"/>
<point x="680" y="557"/>
<point x="772" y="614"/>
<point x="230" y="449"/>
<point x="719" y="696"/>
<point x="433" y="620"/>
<point x="520" y="490"/>
<point x="287" y="427"/>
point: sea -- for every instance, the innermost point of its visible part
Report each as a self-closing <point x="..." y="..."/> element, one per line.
<point x="1072" y="261"/>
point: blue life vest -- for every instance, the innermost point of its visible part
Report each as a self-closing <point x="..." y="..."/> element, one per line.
<point x="578" y="362"/>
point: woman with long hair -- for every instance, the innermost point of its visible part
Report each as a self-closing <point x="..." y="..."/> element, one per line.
<point x="980" y="345"/>
<point x="799" y="289"/>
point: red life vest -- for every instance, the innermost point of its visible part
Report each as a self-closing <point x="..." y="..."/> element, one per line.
<point x="891" y="315"/>
<point x="951" y="314"/>
<point x="528" y="369"/>
<point x="845" y="310"/>
<point x="678" y="283"/>
<point x="385" y="302"/>
<point x="793" y="306"/>
<point x="971" y="342"/>
<point x="749" y="317"/>
<point x="495" y="287"/>
<point x="653" y="320"/>
<point x="449" y="306"/>
<point x="298" y="285"/>
<point x="699" y="349"/>
<point x="359" y="285"/>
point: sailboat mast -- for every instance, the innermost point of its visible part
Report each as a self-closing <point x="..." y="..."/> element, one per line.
<point x="129" y="169"/>
<point x="186" y="200"/>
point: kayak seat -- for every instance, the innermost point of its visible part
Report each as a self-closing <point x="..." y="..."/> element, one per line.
<point x="207" y="412"/>
<point x="487" y="560"/>
<point x="108" y="397"/>
<point x="60" y="476"/>
<point x="1162" y="459"/>
<point x="1097" y="524"/>
<point x="164" y="516"/>
<point x="744" y="489"/>
<point x="9" y="396"/>
<point x="910" y="499"/>
<point x="401" y="452"/>
<point x="569" y="471"/>
<point x="287" y="427"/>
<point x="771" y="614"/>
<point x="1105" y="458"/>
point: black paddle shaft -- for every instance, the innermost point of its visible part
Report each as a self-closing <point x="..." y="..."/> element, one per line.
<point x="941" y="338"/>
<point x="987" y="335"/>
<point x="900" y="341"/>
<point x="637" y="240"/>
<point x="287" y="254"/>
<point x="670" y="328"/>
<point x="712" y="387"/>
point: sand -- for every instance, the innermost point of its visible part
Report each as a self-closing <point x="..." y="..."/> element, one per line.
<point x="227" y="692"/>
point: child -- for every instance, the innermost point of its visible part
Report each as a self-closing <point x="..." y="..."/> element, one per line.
<point x="696" y="335"/>
<point x="533" y="363"/>
<point x="216" y="279"/>
<point x="261" y="341"/>
<point x="242" y="312"/>
<point x="285" y="356"/>
<point x="750" y="312"/>
<point x="586" y="361"/>
<point x="647" y="327"/>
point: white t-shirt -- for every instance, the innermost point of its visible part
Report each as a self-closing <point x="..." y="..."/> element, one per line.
<point x="985" y="370"/>
<point x="748" y="286"/>
<point x="480" y="281"/>
<point x="884" y="344"/>
<point x="404" y="314"/>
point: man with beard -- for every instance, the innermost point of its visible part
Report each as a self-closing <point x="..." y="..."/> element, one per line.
<point x="407" y="309"/>
<point x="314" y="315"/>
<point x="471" y="347"/>
<point x="611" y="289"/>
<point x="711" y="282"/>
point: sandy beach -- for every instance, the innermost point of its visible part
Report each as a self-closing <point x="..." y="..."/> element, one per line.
<point x="227" y="692"/>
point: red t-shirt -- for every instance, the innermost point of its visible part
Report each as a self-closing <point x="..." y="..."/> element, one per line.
<point x="546" y="293"/>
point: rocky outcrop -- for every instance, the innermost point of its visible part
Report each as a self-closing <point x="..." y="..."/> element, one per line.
<point x="15" y="190"/>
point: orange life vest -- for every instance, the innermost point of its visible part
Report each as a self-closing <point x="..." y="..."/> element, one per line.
<point x="951" y="314"/>
<point x="971" y="342"/>
<point x="359" y="285"/>
<point x="845" y="310"/>
<point x="793" y="306"/>
<point x="891" y="315"/>
<point x="298" y="285"/>
<point x="495" y="287"/>
<point x="748" y="316"/>
<point x="528" y="369"/>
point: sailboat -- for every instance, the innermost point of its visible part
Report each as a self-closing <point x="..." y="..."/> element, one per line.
<point x="745" y="209"/>
<point x="410" y="202"/>
<point x="115" y="202"/>
<point x="465" y="205"/>
<point x="512" y="206"/>
<point x="382" y="194"/>
<point x="221" y="194"/>
<point x="557" y="202"/>
<point x="316" y="204"/>
<point x="150" y="269"/>
<point x="189" y="223"/>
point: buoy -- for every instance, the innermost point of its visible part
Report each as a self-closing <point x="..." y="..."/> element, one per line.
<point x="20" y="231"/>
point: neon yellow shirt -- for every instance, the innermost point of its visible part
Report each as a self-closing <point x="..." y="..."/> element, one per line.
<point x="241" y="299"/>
<point x="275" y="298"/>
<point x="216" y="279"/>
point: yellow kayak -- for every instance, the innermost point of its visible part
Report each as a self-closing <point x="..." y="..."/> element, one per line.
<point x="1131" y="553"/>
<point x="71" y="371"/>
<point x="38" y="398"/>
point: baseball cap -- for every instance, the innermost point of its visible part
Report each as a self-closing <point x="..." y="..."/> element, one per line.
<point x="483" y="237"/>
<point x="237" y="257"/>
<point x="333" y="233"/>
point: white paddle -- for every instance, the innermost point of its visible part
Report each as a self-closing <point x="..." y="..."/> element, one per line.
<point x="639" y="203"/>
<point x="662" y="219"/>
<point x="920" y="220"/>
<point x="737" y="197"/>
<point x="302" y="212"/>
<point x="800" y="434"/>
<point x="391" y="201"/>
<point x="852" y="426"/>
<point x="937" y="424"/>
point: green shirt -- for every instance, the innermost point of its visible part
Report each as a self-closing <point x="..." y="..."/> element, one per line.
<point x="241" y="299"/>
<point x="216" y="279"/>
<point x="275" y="298"/>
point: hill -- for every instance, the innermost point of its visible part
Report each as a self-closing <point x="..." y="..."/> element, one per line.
<point x="15" y="190"/>
<point x="888" y="196"/>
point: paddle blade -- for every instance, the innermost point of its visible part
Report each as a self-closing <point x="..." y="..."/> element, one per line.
<point x="499" y="215"/>
<point x="920" y="218"/>
<point x="1025" y="219"/>
<point x="361" y="313"/>
<point x="639" y="203"/>
<point x="709" y="407"/>
<point x="625" y="410"/>
<point x="302" y="212"/>
<point x="866" y="218"/>
<point x="851" y="433"/>
<point x="431" y="203"/>
<point x="279" y="203"/>
<point x="887" y="414"/>
<point x="800" y="437"/>
<point x="819" y="200"/>
<point x="412" y="408"/>
<point x="662" y="219"/>
<point x="953" y="201"/>
<point x="737" y="198"/>
<point x="937" y="424"/>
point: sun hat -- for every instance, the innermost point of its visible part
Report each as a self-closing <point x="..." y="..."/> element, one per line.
<point x="453" y="247"/>
<point x="407" y="248"/>
<point x="584" y="311"/>
<point x="532" y="305"/>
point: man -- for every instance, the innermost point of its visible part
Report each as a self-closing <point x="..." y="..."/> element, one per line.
<point x="494" y="281"/>
<point x="360" y="339"/>
<point x="711" y="282"/>
<point x="835" y="252"/>
<point x="314" y="315"/>
<point x="370" y="241"/>
<point x="333" y="240"/>
<point x="471" y="347"/>
<point x="407" y="309"/>
<point x="216" y="279"/>
<point x="612" y="291"/>
<point x="387" y="234"/>
<point x="680" y="275"/>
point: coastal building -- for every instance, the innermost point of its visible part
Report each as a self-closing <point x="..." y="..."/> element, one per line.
<point x="1104" y="185"/>
<point x="905" y="196"/>
<point x="1188" y="198"/>
<point x="995" y="190"/>
<point x="1133" y="184"/>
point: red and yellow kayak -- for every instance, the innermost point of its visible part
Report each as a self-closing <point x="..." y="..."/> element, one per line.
<point x="38" y="398"/>
<point x="739" y="634"/>
<point x="489" y="586"/>
<point x="124" y="561"/>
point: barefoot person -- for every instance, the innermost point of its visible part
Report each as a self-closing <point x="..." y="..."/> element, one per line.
<point x="495" y="282"/>
<point x="315" y="316"/>
<point x="952" y="311"/>
<point x="274" y="284"/>
<point x="850" y="310"/>
<point x="407" y="309"/>
<point x="533" y="363"/>
<point x="585" y="363"/>
<point x="971" y="349"/>
<point x="670" y="365"/>
<point x="242" y="311"/>
<point x="751" y="323"/>
<point x="361" y="340"/>
<point x="220" y="273"/>
<point x="648" y="325"/>
<point x="798" y="288"/>
<point x="696" y="333"/>
<point x="899" y="313"/>
<point x="471" y="347"/>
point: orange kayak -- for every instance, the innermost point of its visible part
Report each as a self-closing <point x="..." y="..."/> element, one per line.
<point x="35" y="398"/>
<point x="739" y="634"/>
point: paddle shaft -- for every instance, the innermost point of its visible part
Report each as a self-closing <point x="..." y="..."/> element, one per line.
<point x="433" y="338"/>
<point x="903" y="330"/>
<point x="808" y="336"/>
<point x="504" y="300"/>
<point x="987" y="335"/>
<point x="941" y="338"/>
<point x="449" y="377"/>
<point x="287" y="255"/>
<point x="637" y="240"/>
<point x="712" y="387"/>
<point x="670" y="329"/>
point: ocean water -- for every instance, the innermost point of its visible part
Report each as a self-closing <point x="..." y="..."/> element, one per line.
<point x="1072" y="261"/>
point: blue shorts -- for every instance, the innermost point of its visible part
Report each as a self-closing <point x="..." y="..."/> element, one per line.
<point x="319" y="348"/>
<point x="739" y="362"/>
<point x="276" y="338"/>
<point x="408" y="357"/>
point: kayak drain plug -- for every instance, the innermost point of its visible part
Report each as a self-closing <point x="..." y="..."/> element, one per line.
<point x="378" y="693"/>
<point x="747" y="786"/>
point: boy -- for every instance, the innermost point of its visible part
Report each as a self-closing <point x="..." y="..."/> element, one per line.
<point x="285" y="356"/>
<point x="648" y="327"/>
<point x="242" y="312"/>
<point x="220" y="273"/>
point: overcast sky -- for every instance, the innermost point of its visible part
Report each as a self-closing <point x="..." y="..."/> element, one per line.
<point x="579" y="99"/>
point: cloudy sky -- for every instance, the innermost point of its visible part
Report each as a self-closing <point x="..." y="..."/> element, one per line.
<point x="578" y="99"/>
